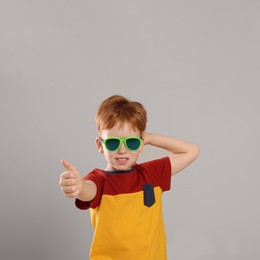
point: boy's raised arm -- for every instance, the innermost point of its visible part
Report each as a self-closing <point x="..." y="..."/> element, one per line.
<point x="182" y="153"/>
<point x="73" y="185"/>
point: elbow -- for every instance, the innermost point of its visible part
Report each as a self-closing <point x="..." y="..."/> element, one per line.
<point x="196" y="151"/>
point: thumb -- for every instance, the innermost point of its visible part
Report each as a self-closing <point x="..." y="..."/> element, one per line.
<point x="68" y="166"/>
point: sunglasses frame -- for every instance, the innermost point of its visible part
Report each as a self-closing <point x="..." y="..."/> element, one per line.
<point x="121" y="140"/>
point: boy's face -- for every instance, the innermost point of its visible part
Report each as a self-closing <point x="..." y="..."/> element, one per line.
<point x="121" y="159"/>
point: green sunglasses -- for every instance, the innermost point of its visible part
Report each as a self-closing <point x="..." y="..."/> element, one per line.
<point x="112" y="144"/>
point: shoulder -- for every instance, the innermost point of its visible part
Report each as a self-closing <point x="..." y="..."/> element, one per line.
<point x="96" y="175"/>
<point x="159" y="171"/>
<point x="155" y="164"/>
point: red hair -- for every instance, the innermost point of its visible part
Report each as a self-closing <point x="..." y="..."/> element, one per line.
<point x="118" y="109"/>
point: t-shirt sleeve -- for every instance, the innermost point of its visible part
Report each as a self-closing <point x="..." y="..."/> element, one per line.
<point x="98" y="179"/>
<point x="159" y="171"/>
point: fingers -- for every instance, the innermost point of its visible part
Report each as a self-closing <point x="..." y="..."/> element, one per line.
<point x="68" y="166"/>
<point x="68" y="175"/>
<point x="70" y="181"/>
<point x="73" y="194"/>
<point x="70" y="187"/>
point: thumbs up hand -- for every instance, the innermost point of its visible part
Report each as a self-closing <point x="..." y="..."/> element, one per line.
<point x="71" y="182"/>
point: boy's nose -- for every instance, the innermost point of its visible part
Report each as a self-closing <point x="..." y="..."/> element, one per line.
<point x="122" y="148"/>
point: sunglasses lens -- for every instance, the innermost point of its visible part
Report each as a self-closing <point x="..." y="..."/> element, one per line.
<point x="112" y="144"/>
<point x="133" y="143"/>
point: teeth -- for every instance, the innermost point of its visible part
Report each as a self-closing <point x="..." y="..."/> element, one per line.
<point x="122" y="159"/>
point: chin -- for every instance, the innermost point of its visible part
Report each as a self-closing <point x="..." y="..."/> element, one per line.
<point x="123" y="167"/>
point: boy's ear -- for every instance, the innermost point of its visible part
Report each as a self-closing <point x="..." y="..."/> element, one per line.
<point x="99" y="145"/>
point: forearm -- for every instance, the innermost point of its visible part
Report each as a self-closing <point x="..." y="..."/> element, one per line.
<point x="88" y="191"/>
<point x="171" y="144"/>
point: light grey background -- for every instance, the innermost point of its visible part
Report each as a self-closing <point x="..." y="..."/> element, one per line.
<point x="195" y="67"/>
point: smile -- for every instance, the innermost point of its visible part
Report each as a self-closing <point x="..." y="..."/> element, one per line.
<point x="122" y="159"/>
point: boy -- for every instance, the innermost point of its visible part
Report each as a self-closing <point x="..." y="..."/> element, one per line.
<point x="125" y="198"/>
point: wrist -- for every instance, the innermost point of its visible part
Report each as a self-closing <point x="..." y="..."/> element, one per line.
<point x="147" y="138"/>
<point x="88" y="192"/>
<point x="81" y="195"/>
